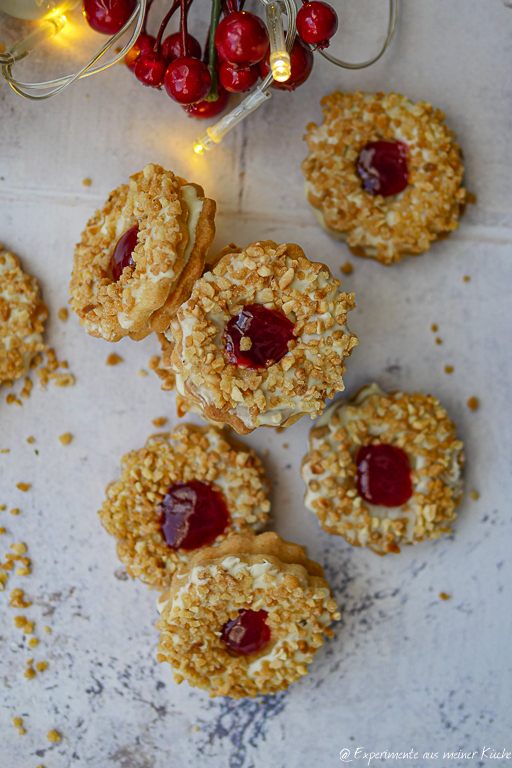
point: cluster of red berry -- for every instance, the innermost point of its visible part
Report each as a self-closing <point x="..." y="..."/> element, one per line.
<point x="239" y="56"/>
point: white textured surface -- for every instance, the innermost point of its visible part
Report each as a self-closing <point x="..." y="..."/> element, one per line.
<point x="405" y="670"/>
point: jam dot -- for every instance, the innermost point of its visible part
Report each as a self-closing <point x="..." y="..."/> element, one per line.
<point x="257" y="337"/>
<point x="246" y="634"/>
<point x="382" y="167"/>
<point x="193" y="515"/>
<point x="122" y="256"/>
<point x="383" y="475"/>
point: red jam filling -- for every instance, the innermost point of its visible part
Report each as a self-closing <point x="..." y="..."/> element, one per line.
<point x="382" y="167"/>
<point x="246" y="634"/>
<point x="265" y="331"/>
<point x="383" y="475"/>
<point x="193" y="515"/>
<point x="122" y="256"/>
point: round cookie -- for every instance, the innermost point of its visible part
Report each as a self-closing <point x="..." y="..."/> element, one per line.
<point x="170" y="226"/>
<point x="245" y="618"/>
<point x="262" y="339"/>
<point x="190" y="489"/>
<point x="349" y="161"/>
<point x="22" y="318"/>
<point x="384" y="470"/>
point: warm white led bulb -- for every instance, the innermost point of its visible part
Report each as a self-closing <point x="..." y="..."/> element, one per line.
<point x="280" y="64"/>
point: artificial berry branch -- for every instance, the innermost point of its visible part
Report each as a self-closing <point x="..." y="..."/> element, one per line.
<point x="183" y="26"/>
<point x="212" y="50"/>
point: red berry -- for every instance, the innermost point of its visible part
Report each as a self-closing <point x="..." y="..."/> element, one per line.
<point x="241" y="38"/>
<point x="247" y="634"/>
<point x="383" y="475"/>
<point x="269" y="332"/>
<point x="382" y="167"/>
<point x="207" y="109"/>
<point x="236" y="79"/>
<point x="107" y="16"/>
<point x="317" y="22"/>
<point x="187" y="80"/>
<point x="172" y="47"/>
<point x="150" y="69"/>
<point x="143" y="44"/>
<point x="193" y="514"/>
<point x="122" y="256"/>
<point x="301" y="59"/>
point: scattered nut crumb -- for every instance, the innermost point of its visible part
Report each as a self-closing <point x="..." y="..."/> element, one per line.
<point x="47" y="629"/>
<point x="24" y="486"/>
<point x="2" y="48"/>
<point x="444" y="596"/>
<point x="286" y="445"/>
<point x="449" y="369"/>
<point x="2" y="507"/>
<point x="24" y="571"/>
<point x="434" y="327"/>
<point x="2" y="530"/>
<point x="86" y="182"/>
<point x="20" y="548"/>
<point x="53" y="736"/>
<point x="473" y="403"/>
<point x="5" y="450"/>
<point x="28" y="628"/>
<point x="466" y="278"/>
<point x="14" y="511"/>
<point x="113" y="359"/>
<point x="142" y="372"/>
<point x="21" y="731"/>
<point x="18" y="599"/>
<point x="63" y="314"/>
<point x="66" y="438"/>
<point x="41" y="666"/>
<point x="31" y="440"/>
<point x="32" y="644"/>
<point x="30" y="673"/>
<point x="153" y="363"/>
<point x="159" y="422"/>
<point x="347" y="268"/>
<point x="17" y="722"/>
<point x="29" y="662"/>
<point x="20" y="621"/>
<point x="474" y="495"/>
<point x="438" y="340"/>
<point x="63" y="379"/>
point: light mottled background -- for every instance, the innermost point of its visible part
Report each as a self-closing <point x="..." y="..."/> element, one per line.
<point x="405" y="668"/>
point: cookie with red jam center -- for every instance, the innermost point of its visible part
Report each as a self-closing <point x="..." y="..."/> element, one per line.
<point x="246" y="617"/>
<point x="383" y="174"/>
<point x="179" y="494"/>
<point x="140" y="255"/>
<point x="262" y="340"/>
<point x="384" y="470"/>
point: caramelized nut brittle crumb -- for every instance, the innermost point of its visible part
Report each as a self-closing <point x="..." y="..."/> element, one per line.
<point x="20" y="621"/>
<point x="24" y="486"/>
<point x="86" y="182"/>
<point x="14" y="511"/>
<point x="17" y="599"/>
<point x="159" y="422"/>
<point x="154" y="362"/>
<point x="142" y="372"/>
<point x="24" y="571"/>
<point x="444" y="596"/>
<point x="434" y="327"/>
<point x="30" y="673"/>
<point x="466" y="278"/>
<point x="66" y="438"/>
<point x="449" y="369"/>
<point x="63" y="314"/>
<point x="31" y="440"/>
<point x="347" y="268"/>
<point x="28" y="628"/>
<point x="438" y="340"/>
<point x="113" y="359"/>
<point x="5" y="450"/>
<point x="17" y="722"/>
<point x="41" y="666"/>
<point x="2" y="530"/>
<point x="27" y="388"/>
<point x="53" y="736"/>
<point x="474" y="495"/>
<point x="20" y="548"/>
<point x="32" y="643"/>
<point x="47" y="629"/>
<point x="473" y="403"/>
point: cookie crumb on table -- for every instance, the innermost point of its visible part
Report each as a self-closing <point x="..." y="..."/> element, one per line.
<point x="23" y="487"/>
<point x="473" y="403"/>
<point x="444" y="596"/>
<point x="466" y="278"/>
<point x="32" y="643"/>
<point x="449" y="369"/>
<point x="41" y="666"/>
<point x="86" y="182"/>
<point x="63" y="314"/>
<point x="474" y="495"/>
<point x="19" y="621"/>
<point x="47" y="629"/>
<point x="31" y="440"/>
<point x="434" y="327"/>
<point x="438" y="340"/>
<point x="347" y="268"/>
<point x="113" y="359"/>
<point x="66" y="438"/>
<point x="14" y="511"/>
<point x="53" y="736"/>
<point x="142" y="372"/>
<point x="159" y="422"/>
<point x="29" y="673"/>
<point x="18" y="599"/>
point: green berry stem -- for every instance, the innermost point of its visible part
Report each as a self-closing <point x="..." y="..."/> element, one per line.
<point x="213" y="95"/>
